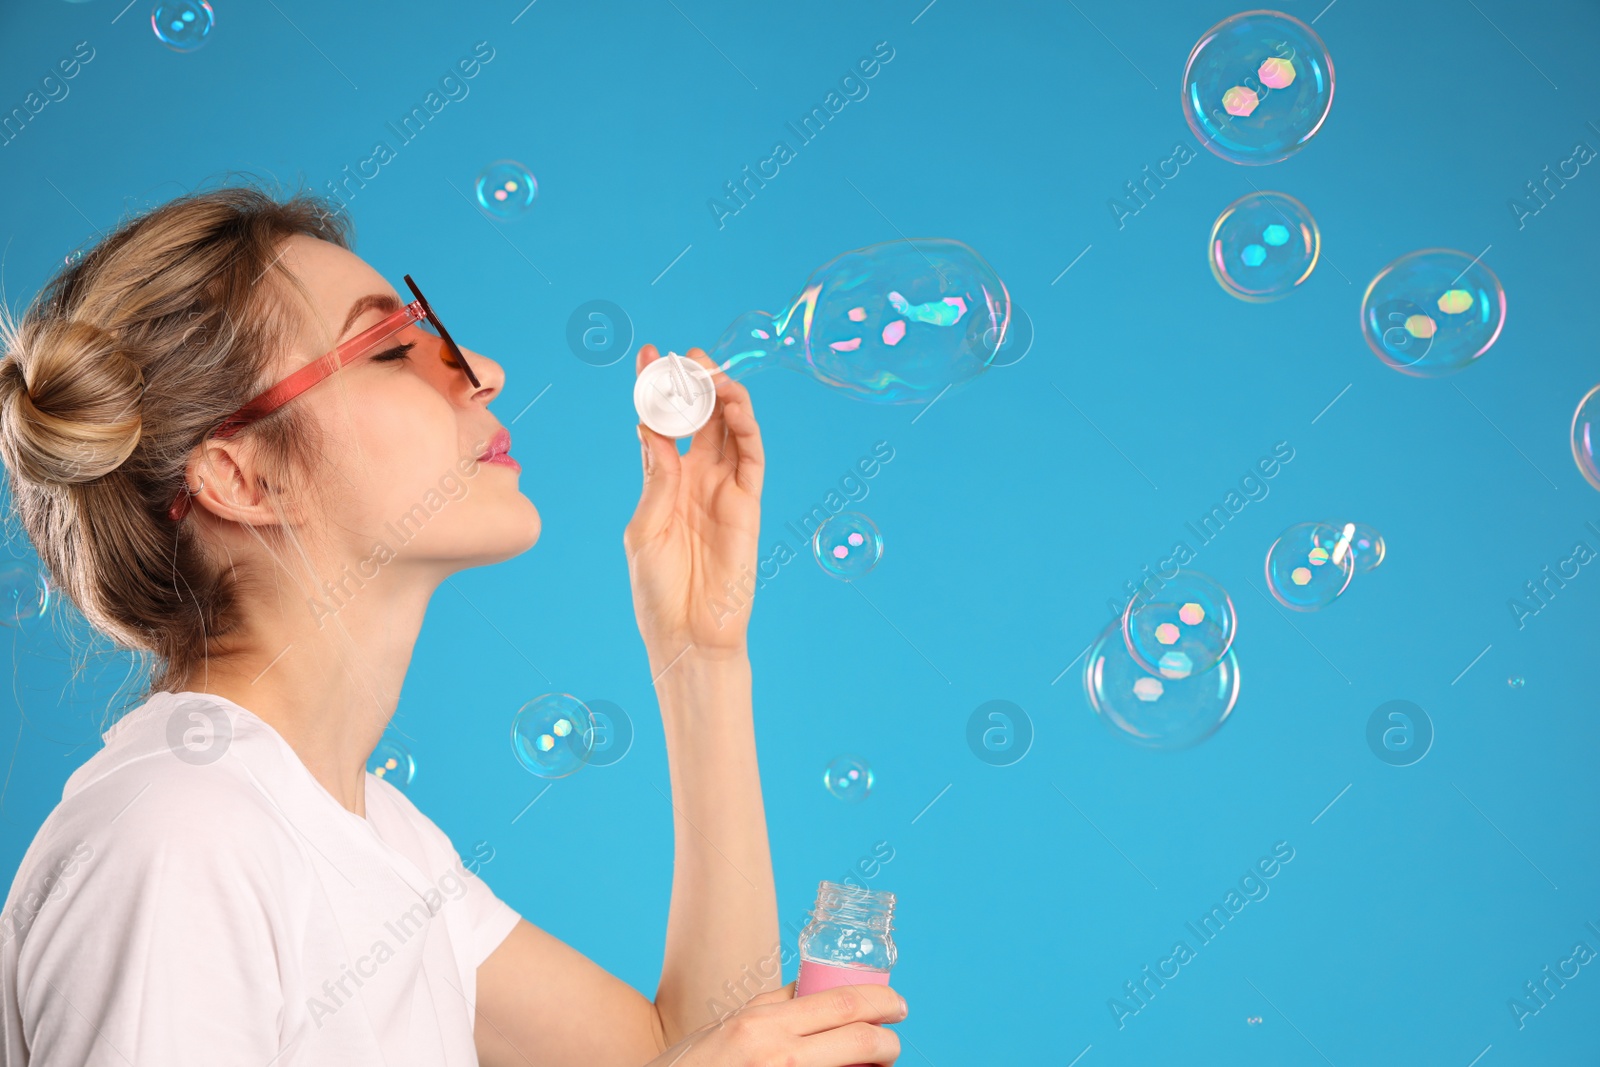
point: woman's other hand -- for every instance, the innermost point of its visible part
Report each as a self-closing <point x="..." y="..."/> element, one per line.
<point x="839" y="1027"/>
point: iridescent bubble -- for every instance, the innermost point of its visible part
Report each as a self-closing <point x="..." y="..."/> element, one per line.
<point x="1257" y="87"/>
<point x="1366" y="544"/>
<point x="553" y="735"/>
<point x="848" y="778"/>
<point x="184" y="25"/>
<point x="1430" y="313"/>
<point x="506" y="189"/>
<point x="892" y="323"/>
<point x="1183" y="628"/>
<point x="847" y="545"/>
<point x="1263" y="245"/>
<point x="392" y="762"/>
<point x="1309" y="565"/>
<point x="1152" y="711"/>
<point x="25" y="592"/>
<point x="1586" y="436"/>
<point x="1516" y="681"/>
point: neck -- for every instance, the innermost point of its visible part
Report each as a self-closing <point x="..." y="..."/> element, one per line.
<point x="326" y="673"/>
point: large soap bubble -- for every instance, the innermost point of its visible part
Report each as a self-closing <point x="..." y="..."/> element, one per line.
<point x="1433" y="312"/>
<point x="1257" y="87"/>
<point x="892" y="323"/>
<point x="1153" y="711"/>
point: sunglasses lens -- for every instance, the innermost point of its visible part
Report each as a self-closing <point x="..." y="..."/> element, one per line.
<point x="446" y="348"/>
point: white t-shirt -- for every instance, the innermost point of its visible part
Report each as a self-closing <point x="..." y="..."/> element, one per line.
<point x="197" y="897"/>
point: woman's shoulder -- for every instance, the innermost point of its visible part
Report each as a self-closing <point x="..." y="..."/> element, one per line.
<point x="181" y="780"/>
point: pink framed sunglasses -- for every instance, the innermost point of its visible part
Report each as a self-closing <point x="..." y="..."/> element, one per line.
<point x="416" y="315"/>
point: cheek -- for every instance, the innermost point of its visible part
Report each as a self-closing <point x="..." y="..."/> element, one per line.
<point x="390" y="446"/>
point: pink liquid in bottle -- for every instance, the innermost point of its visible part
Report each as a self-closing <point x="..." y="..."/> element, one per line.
<point x="815" y="977"/>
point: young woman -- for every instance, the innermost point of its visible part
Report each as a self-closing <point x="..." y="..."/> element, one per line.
<point x="210" y="425"/>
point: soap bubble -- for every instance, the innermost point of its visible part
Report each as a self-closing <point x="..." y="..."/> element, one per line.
<point x="183" y="26"/>
<point x="892" y="323"/>
<point x="1430" y="313"/>
<point x="1586" y="436"/>
<point x="848" y="778"/>
<point x="1309" y="565"/>
<point x="1516" y="681"/>
<point x="1263" y="245"/>
<point x="1366" y="544"/>
<point x="847" y="545"/>
<point x="553" y="735"/>
<point x="392" y="762"/>
<point x="1257" y="87"/>
<point x="1152" y="711"/>
<point x="505" y="189"/>
<point x="1183" y="628"/>
<point x="25" y="592"/>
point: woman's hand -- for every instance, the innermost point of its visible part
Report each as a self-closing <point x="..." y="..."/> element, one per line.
<point x="691" y="543"/>
<point x="834" y="1028"/>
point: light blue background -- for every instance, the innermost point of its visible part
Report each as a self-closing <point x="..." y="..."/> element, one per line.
<point x="1414" y="907"/>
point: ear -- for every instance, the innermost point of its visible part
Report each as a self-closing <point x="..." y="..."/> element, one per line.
<point x="235" y="490"/>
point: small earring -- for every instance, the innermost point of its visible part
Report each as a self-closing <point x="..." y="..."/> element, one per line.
<point x="194" y="492"/>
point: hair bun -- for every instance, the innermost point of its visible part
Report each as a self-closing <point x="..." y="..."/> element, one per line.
<point x="69" y="403"/>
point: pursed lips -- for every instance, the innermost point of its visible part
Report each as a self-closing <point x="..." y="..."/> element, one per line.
<point x="499" y="451"/>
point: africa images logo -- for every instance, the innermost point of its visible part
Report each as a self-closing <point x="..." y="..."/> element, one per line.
<point x="199" y="731"/>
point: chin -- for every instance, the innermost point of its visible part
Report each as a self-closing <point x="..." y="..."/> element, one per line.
<point x="518" y="530"/>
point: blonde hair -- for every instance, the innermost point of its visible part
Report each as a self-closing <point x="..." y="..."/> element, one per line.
<point x="114" y="374"/>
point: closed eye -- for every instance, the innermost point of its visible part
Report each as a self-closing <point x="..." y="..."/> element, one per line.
<point x="396" y="353"/>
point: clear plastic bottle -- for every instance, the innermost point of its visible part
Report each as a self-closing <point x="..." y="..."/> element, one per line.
<point x="848" y="940"/>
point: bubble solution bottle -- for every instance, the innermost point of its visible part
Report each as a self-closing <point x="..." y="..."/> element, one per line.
<point x="847" y="941"/>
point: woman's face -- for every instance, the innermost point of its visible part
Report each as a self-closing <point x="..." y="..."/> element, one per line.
<point x="405" y="432"/>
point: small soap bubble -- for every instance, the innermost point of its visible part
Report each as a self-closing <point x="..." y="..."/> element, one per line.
<point x="848" y="778"/>
<point x="1516" y="681"/>
<point x="183" y="26"/>
<point x="1257" y="87"/>
<point x="1253" y="1020"/>
<point x="506" y="189"/>
<point x="392" y="762"/>
<point x="25" y="592"/>
<point x="893" y="323"/>
<point x="553" y="735"/>
<point x="1182" y="628"/>
<point x="847" y="545"/>
<point x="1433" y="312"/>
<point x="1263" y="245"/>
<point x="1157" y="712"/>
<point x="1586" y="436"/>
<point x="1310" y="565"/>
<point x="1366" y="545"/>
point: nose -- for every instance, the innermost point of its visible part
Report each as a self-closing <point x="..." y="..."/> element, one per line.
<point x="491" y="377"/>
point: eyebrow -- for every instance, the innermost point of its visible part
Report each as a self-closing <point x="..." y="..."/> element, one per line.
<point x="385" y="302"/>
